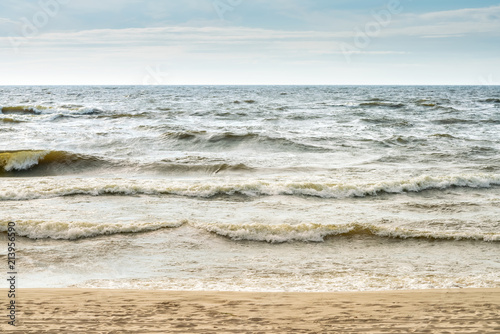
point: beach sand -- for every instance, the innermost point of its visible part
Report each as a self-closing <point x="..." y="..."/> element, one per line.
<point x="149" y="311"/>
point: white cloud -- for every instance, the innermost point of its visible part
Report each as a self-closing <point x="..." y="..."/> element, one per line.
<point x="176" y="35"/>
<point x="4" y="20"/>
<point x="453" y="23"/>
<point x="468" y="14"/>
<point x="214" y="52"/>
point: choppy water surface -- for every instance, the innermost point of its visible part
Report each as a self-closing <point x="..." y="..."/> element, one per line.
<point x="276" y="188"/>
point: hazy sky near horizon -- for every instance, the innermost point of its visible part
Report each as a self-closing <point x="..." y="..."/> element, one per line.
<point x="249" y="42"/>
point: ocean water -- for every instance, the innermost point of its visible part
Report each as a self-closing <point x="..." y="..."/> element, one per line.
<point x="258" y="188"/>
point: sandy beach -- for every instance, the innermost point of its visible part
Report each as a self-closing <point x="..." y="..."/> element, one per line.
<point x="140" y="311"/>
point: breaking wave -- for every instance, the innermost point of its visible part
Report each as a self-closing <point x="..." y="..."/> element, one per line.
<point x="51" y="163"/>
<point x="278" y="233"/>
<point x="96" y="187"/>
<point x="318" y="232"/>
<point x="29" y="162"/>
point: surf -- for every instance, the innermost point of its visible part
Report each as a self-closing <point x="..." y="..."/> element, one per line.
<point x="259" y="232"/>
<point x="211" y="187"/>
<point x="39" y="162"/>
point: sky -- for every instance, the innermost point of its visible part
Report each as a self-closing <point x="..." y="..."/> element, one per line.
<point x="249" y="42"/>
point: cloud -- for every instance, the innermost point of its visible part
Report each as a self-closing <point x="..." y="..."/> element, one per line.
<point x="465" y="14"/>
<point x="452" y="23"/>
<point x="178" y="35"/>
<point x="274" y="40"/>
<point x="4" y="20"/>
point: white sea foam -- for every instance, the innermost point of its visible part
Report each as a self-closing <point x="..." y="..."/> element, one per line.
<point x="20" y="160"/>
<point x="318" y="232"/>
<point x="272" y="233"/>
<point x="49" y="188"/>
<point x="329" y="282"/>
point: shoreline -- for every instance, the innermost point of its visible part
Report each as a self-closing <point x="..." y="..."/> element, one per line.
<point x="160" y="311"/>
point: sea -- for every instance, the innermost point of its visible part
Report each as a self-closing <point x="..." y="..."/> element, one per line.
<point x="251" y="188"/>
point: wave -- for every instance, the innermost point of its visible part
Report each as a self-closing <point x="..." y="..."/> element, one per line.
<point x="491" y="121"/>
<point x="246" y="101"/>
<point x="271" y="233"/>
<point x="37" y="229"/>
<point x="125" y="115"/>
<point x="446" y="121"/>
<point x="10" y="120"/>
<point x="16" y="110"/>
<point x="226" y="140"/>
<point x="491" y="100"/>
<point x="184" y="135"/>
<point x="443" y="135"/>
<point x="310" y="232"/>
<point x="382" y="104"/>
<point x="167" y="167"/>
<point x="209" y="189"/>
<point x="403" y="140"/>
<point x="46" y="162"/>
<point x="39" y="110"/>
<point x="433" y="105"/>
<point x="386" y="121"/>
<point x="426" y="103"/>
<point x="38" y="162"/>
<point x="395" y="140"/>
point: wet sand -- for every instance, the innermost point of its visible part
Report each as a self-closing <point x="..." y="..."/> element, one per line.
<point x="149" y="311"/>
